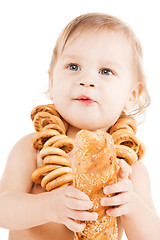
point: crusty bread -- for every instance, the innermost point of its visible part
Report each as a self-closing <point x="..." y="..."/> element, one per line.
<point x="96" y="167"/>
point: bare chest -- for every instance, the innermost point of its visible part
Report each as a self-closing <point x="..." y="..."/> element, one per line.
<point x="49" y="231"/>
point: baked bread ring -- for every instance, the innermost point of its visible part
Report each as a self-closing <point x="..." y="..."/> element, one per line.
<point x="126" y="153"/>
<point x="43" y="118"/>
<point x="44" y="108"/>
<point x="54" y="127"/>
<point x="57" y="178"/>
<point x="141" y="150"/>
<point x="50" y="108"/>
<point x="40" y="172"/>
<point x="52" y="151"/>
<point x="39" y="138"/>
<point x="60" y="141"/>
<point x="128" y="138"/>
<point x="127" y="145"/>
<point x="124" y="136"/>
<point x="57" y="160"/>
<point x="58" y="115"/>
<point x="124" y="123"/>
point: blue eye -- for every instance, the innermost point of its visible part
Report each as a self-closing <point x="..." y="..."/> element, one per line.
<point x="73" y="67"/>
<point x="106" y="71"/>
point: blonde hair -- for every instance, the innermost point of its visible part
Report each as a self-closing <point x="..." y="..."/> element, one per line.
<point x="98" y="21"/>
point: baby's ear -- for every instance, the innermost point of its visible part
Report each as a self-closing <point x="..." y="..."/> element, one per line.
<point x="134" y="96"/>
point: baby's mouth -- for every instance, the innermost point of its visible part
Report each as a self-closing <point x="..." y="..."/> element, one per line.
<point x="85" y="99"/>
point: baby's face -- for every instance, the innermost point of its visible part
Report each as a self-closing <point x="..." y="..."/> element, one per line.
<point x="92" y="79"/>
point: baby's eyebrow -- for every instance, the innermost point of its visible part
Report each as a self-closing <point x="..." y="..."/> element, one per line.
<point x="103" y="62"/>
<point x="70" y="57"/>
<point x="111" y="64"/>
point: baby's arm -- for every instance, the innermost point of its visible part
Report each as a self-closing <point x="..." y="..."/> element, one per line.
<point x="20" y="209"/>
<point x="143" y="223"/>
<point x="133" y="203"/>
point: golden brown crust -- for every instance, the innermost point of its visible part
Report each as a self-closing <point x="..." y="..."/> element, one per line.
<point x="54" y="127"/>
<point x="42" y="119"/>
<point x="124" y="123"/>
<point x="39" y="173"/>
<point x="57" y="160"/>
<point x="46" y="151"/>
<point x="128" y="146"/>
<point x="125" y="136"/>
<point x="126" y="153"/>
<point x="50" y="108"/>
<point x="60" y="141"/>
<point x="39" y="138"/>
<point x="96" y="167"/>
<point x="57" y="178"/>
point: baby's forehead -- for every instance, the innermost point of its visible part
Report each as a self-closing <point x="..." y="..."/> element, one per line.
<point x="86" y="33"/>
<point x="102" y="41"/>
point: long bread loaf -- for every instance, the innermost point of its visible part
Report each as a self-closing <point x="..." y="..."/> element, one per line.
<point x="96" y="167"/>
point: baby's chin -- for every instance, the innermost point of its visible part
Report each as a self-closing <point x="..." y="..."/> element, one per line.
<point x="90" y="122"/>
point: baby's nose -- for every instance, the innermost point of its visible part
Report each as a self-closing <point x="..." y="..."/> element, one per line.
<point x="87" y="79"/>
<point x="86" y="84"/>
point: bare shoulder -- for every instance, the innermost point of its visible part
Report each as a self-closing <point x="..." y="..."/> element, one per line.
<point x="20" y="164"/>
<point x="141" y="183"/>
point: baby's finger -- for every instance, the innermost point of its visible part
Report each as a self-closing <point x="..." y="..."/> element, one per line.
<point x="116" y="200"/>
<point x="77" y="204"/>
<point x="76" y="193"/>
<point x="74" y="226"/>
<point x="82" y="215"/>
<point x="118" y="211"/>
<point x="124" y="170"/>
<point x="122" y="186"/>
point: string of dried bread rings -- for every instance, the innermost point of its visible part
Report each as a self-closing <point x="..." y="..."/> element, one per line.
<point x="53" y="144"/>
<point x="127" y="145"/>
<point x="51" y="140"/>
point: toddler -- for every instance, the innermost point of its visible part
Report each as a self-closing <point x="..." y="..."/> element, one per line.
<point x="95" y="76"/>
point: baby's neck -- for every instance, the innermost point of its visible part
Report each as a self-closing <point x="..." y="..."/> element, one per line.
<point x="72" y="131"/>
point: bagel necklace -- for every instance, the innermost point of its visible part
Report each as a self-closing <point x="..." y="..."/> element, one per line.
<point x="53" y="145"/>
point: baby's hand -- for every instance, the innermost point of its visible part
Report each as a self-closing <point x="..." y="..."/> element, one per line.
<point x="123" y="202"/>
<point x="71" y="205"/>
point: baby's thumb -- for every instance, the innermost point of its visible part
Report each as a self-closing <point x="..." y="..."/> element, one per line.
<point x="124" y="170"/>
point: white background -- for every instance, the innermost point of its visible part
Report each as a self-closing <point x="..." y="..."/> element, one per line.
<point x="29" y="30"/>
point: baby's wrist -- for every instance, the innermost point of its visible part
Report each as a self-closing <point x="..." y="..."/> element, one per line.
<point x="132" y="207"/>
<point x="47" y="207"/>
<point x="44" y="200"/>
